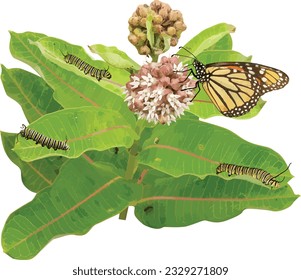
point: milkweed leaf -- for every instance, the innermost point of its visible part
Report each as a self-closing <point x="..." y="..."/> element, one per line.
<point x="188" y="200"/>
<point x="82" y="196"/>
<point x="114" y="57"/>
<point x="85" y="128"/>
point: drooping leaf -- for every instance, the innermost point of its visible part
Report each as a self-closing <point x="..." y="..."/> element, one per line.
<point x="114" y="57"/>
<point x="30" y="91"/>
<point x="169" y="202"/>
<point x="38" y="174"/>
<point x="85" y="128"/>
<point x="197" y="148"/>
<point x="82" y="196"/>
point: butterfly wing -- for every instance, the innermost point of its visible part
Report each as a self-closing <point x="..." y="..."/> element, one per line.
<point x="235" y="87"/>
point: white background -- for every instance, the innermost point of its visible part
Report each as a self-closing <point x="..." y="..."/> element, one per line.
<point x="255" y="245"/>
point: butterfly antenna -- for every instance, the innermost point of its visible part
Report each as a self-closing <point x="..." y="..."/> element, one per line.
<point x="62" y="53"/>
<point x="182" y="55"/>
<point x="283" y="171"/>
<point x="188" y="52"/>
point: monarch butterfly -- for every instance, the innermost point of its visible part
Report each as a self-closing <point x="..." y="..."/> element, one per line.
<point x="257" y="173"/>
<point x="87" y="68"/>
<point x="235" y="87"/>
<point x="29" y="133"/>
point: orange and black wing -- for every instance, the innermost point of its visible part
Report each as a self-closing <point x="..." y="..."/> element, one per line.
<point x="235" y="87"/>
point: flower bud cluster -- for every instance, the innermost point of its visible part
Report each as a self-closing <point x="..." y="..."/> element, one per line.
<point x="157" y="92"/>
<point x="165" y="22"/>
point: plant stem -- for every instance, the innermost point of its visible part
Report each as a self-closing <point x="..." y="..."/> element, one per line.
<point x="129" y="173"/>
<point x="132" y="161"/>
<point x="154" y="57"/>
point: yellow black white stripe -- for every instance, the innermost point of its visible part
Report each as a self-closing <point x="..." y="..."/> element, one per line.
<point x="43" y="140"/>
<point x="87" y="68"/>
<point x="256" y="173"/>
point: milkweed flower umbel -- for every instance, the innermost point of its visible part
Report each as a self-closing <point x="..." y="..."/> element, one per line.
<point x="160" y="91"/>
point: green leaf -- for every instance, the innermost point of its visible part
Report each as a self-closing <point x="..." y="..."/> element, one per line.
<point x="170" y="202"/>
<point x="197" y="148"/>
<point x="114" y="57"/>
<point x="211" y="56"/>
<point x="38" y="174"/>
<point x="71" y="87"/>
<point x="115" y="157"/>
<point x="166" y="40"/>
<point x="82" y="196"/>
<point x="55" y="49"/>
<point x="224" y="43"/>
<point x="22" y="50"/>
<point x="30" y="91"/>
<point x="206" y="39"/>
<point x="85" y="128"/>
<point x="149" y="30"/>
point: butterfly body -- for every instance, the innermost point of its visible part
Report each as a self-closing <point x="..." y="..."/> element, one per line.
<point x="235" y="87"/>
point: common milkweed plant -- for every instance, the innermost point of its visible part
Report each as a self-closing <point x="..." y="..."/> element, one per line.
<point x="135" y="139"/>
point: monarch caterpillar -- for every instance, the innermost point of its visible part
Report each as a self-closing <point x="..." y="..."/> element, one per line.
<point x="29" y="133"/>
<point x="235" y="87"/>
<point x="87" y="68"/>
<point x="257" y="173"/>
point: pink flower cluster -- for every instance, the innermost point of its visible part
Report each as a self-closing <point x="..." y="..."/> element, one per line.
<point x="157" y="92"/>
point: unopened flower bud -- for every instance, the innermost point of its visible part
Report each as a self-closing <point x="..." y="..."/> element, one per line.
<point x="142" y="22"/>
<point x="175" y="15"/>
<point x="133" y="39"/>
<point x="134" y="21"/>
<point x="142" y="10"/>
<point x="158" y="28"/>
<point x="180" y="25"/>
<point x="144" y="50"/>
<point x="163" y="21"/>
<point x="173" y="41"/>
<point x="137" y="31"/>
<point x="142" y="37"/>
<point x="171" y="31"/>
<point x="157" y="19"/>
<point x="156" y="5"/>
<point x="163" y="13"/>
